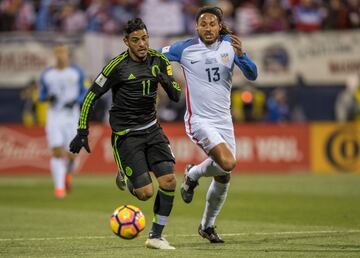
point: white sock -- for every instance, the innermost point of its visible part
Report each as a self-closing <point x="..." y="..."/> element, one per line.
<point x="215" y="199"/>
<point x="206" y="168"/>
<point x="58" y="171"/>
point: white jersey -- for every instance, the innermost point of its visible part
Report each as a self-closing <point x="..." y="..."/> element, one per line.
<point x="208" y="74"/>
<point x="66" y="85"/>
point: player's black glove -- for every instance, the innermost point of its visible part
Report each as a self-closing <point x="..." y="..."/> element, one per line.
<point x="171" y="87"/>
<point x="70" y="104"/>
<point x="52" y="99"/>
<point x="80" y="140"/>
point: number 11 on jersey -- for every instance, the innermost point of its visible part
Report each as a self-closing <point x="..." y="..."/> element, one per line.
<point x="146" y="87"/>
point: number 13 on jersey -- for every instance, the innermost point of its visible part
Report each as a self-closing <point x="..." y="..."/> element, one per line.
<point x="213" y="74"/>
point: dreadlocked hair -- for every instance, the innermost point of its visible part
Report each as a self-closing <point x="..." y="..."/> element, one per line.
<point x="218" y="13"/>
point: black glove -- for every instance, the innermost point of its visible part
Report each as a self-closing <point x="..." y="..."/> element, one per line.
<point x="52" y="99"/>
<point x="70" y="104"/>
<point x="80" y="140"/>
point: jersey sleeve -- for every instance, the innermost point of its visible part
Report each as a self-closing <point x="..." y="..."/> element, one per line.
<point x="43" y="91"/>
<point x="246" y="65"/>
<point x="103" y="82"/>
<point x="174" y="51"/>
<point x="171" y="87"/>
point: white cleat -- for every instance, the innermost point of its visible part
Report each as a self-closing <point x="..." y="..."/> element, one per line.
<point x="158" y="243"/>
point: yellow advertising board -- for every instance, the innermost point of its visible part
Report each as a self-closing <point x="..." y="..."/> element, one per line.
<point x="335" y="148"/>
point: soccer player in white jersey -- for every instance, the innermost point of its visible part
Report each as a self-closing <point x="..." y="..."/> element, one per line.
<point x="63" y="86"/>
<point x="208" y="60"/>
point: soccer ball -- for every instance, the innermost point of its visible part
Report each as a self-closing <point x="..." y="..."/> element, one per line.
<point x="127" y="221"/>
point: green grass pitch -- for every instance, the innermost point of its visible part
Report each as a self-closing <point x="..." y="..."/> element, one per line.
<point x="264" y="216"/>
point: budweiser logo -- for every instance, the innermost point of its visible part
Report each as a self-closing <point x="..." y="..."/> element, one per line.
<point x="18" y="149"/>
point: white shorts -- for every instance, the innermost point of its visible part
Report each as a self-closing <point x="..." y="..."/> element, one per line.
<point x="60" y="132"/>
<point x="208" y="135"/>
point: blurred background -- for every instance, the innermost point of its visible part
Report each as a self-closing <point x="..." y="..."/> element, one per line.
<point x="301" y="114"/>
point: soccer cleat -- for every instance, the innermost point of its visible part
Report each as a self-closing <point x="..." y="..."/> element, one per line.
<point x="188" y="186"/>
<point x="120" y="180"/>
<point x="68" y="182"/>
<point x="210" y="234"/>
<point x="60" y="193"/>
<point x="158" y="243"/>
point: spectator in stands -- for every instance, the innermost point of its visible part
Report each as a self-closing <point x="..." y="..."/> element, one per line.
<point x="189" y="10"/>
<point x="274" y="17"/>
<point x="354" y="13"/>
<point x="347" y="105"/>
<point x="124" y="10"/>
<point x="308" y="16"/>
<point x="72" y="19"/>
<point x="336" y="15"/>
<point x="164" y="20"/>
<point x="244" y="16"/>
<point x="248" y="18"/>
<point x="99" y="17"/>
<point x="16" y="15"/>
<point x="277" y="107"/>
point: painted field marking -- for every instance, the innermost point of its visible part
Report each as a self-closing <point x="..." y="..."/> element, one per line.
<point x="193" y="235"/>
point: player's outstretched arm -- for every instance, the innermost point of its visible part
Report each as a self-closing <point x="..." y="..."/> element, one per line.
<point x="81" y="138"/>
<point x="246" y="65"/>
<point x="171" y="87"/>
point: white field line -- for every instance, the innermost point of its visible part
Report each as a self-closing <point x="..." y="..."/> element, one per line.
<point x="193" y="235"/>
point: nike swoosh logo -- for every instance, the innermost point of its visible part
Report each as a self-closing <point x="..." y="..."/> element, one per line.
<point x="193" y="62"/>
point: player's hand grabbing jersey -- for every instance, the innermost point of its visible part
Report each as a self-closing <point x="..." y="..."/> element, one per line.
<point x="134" y="90"/>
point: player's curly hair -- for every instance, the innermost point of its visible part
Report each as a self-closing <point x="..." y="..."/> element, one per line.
<point x="218" y="13"/>
<point x="134" y="25"/>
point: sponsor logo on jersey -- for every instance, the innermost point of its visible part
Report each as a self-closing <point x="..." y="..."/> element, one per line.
<point x="210" y="60"/>
<point x="194" y="62"/>
<point x="169" y="70"/>
<point x="225" y="58"/>
<point x="131" y="77"/>
<point x="100" y="80"/>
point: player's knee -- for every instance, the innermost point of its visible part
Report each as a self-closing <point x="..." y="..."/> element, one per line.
<point x="58" y="152"/>
<point x="228" y="164"/>
<point x="167" y="182"/>
<point x="144" y="194"/>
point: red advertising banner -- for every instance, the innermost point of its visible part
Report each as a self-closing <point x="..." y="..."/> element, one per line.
<point x="260" y="148"/>
<point x="270" y="147"/>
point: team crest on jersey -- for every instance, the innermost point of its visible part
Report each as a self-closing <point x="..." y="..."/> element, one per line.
<point x="225" y="58"/>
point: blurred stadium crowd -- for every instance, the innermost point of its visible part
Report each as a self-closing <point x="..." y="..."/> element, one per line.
<point x="176" y="17"/>
<point x="169" y="18"/>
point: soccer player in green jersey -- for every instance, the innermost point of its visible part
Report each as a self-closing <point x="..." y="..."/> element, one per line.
<point x="139" y="144"/>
